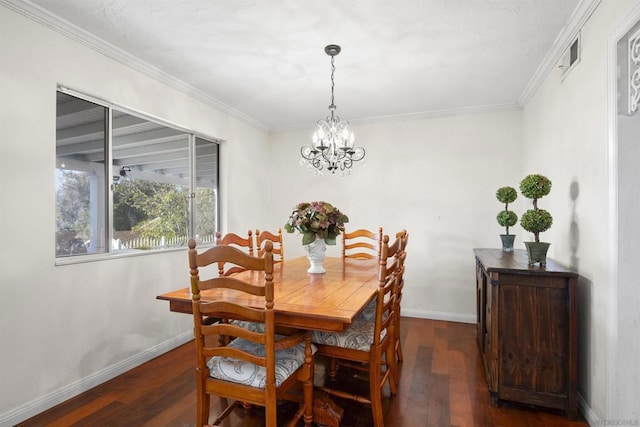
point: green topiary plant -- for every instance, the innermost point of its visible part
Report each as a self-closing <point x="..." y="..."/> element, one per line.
<point x="535" y="220"/>
<point x="507" y="218"/>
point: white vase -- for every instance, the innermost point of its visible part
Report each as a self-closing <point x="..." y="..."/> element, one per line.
<point x="316" y="252"/>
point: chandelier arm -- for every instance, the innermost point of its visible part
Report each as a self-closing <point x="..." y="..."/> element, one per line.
<point x="311" y="153"/>
<point x="357" y="155"/>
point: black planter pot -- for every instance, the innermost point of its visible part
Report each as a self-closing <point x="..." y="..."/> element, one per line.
<point x="507" y="242"/>
<point x="537" y="252"/>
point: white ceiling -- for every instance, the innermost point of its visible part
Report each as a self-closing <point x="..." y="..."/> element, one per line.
<point x="264" y="60"/>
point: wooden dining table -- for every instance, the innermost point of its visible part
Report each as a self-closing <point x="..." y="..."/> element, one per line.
<point x="327" y="302"/>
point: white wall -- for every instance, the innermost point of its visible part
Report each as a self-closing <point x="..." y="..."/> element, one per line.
<point x="565" y="138"/>
<point x="64" y="328"/>
<point x="435" y="177"/>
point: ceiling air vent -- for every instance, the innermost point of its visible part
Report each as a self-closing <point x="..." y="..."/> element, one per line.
<point x="570" y="57"/>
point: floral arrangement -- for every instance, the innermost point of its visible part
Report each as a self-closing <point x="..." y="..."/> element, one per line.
<point x="316" y="219"/>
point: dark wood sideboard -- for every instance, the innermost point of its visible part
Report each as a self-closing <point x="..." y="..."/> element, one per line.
<point x="527" y="329"/>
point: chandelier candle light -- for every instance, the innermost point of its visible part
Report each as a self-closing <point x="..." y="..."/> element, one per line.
<point x="332" y="143"/>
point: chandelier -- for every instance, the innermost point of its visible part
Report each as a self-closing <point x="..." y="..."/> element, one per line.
<point x="332" y="143"/>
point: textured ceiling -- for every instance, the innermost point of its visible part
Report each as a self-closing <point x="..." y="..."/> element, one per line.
<point x="265" y="58"/>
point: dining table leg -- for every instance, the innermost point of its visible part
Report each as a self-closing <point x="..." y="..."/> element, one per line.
<point x="325" y="411"/>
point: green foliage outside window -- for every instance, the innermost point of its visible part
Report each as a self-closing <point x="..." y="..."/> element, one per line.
<point x="141" y="208"/>
<point x="72" y="213"/>
<point x="151" y="209"/>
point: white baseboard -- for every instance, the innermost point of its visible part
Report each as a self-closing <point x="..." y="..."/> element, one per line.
<point x="50" y="400"/>
<point x="439" y="315"/>
<point x="589" y="415"/>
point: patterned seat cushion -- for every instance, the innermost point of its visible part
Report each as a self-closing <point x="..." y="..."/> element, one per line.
<point x="238" y="371"/>
<point x="358" y="336"/>
<point x="250" y="326"/>
<point x="369" y="312"/>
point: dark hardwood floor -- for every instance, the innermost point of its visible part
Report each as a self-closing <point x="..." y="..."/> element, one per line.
<point x="442" y="383"/>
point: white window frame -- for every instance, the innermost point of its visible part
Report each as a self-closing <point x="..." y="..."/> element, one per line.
<point x="104" y="207"/>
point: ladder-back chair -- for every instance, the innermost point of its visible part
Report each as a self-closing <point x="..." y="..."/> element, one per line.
<point x="275" y="238"/>
<point x="404" y="240"/>
<point x="254" y="368"/>
<point x="236" y="241"/>
<point x="361" y="243"/>
<point x="368" y="346"/>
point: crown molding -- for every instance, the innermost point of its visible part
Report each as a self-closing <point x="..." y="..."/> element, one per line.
<point x="424" y="115"/>
<point x="463" y="111"/>
<point x="576" y="21"/>
<point x="82" y="36"/>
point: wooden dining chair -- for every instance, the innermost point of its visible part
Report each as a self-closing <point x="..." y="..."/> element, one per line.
<point x="404" y="240"/>
<point x="368" y="313"/>
<point x="361" y="243"/>
<point x="275" y="238"/>
<point x="236" y="241"/>
<point x="368" y="346"/>
<point x="398" y="254"/>
<point x="253" y="368"/>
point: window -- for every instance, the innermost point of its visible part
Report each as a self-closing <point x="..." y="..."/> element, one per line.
<point x="81" y="144"/>
<point x="206" y="185"/>
<point x="160" y="188"/>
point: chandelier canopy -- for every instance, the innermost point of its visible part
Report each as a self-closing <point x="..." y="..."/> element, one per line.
<point x="332" y="142"/>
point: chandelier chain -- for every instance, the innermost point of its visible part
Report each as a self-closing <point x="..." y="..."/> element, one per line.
<point x="333" y="83"/>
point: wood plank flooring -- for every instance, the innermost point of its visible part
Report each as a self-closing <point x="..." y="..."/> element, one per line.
<point x="442" y="383"/>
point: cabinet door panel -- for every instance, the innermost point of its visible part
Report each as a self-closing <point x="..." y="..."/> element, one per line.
<point x="533" y="338"/>
<point x="518" y="335"/>
<point x="553" y="345"/>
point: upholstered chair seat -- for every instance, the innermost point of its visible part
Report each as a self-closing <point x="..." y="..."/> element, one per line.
<point x="288" y="361"/>
<point x="358" y="336"/>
